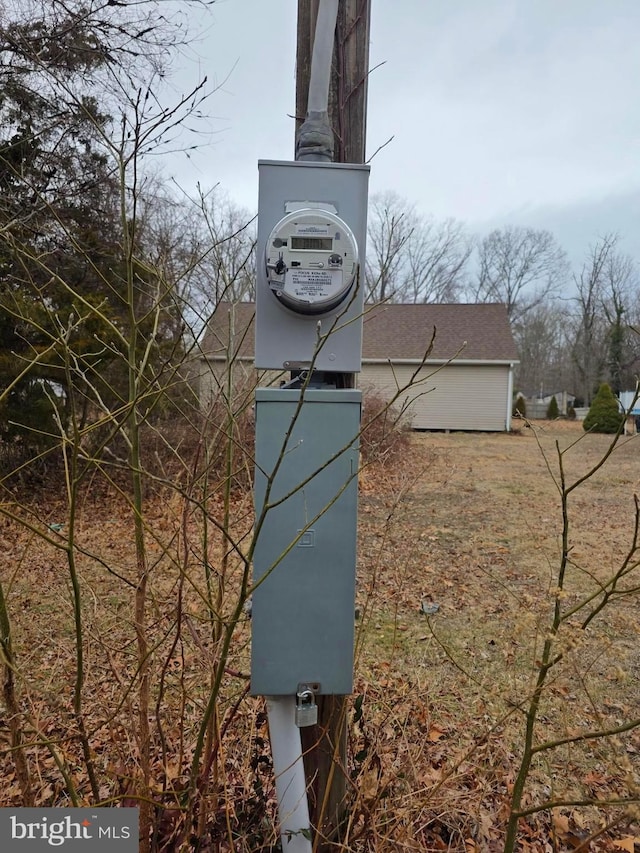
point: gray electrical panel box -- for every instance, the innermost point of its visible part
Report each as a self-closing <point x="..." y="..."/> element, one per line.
<point x="305" y="555"/>
<point x="312" y="229"/>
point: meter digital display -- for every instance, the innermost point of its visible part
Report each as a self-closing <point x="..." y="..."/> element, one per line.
<point x="324" y="244"/>
<point x="311" y="259"/>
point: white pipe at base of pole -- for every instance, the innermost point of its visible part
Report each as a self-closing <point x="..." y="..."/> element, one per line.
<point x="288" y="767"/>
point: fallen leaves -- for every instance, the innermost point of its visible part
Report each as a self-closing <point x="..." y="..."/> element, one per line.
<point x="467" y="530"/>
<point x="629" y="843"/>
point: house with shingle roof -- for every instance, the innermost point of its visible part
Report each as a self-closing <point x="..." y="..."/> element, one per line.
<point x="463" y="357"/>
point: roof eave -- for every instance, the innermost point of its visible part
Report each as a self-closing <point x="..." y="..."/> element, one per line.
<point x="401" y="361"/>
<point x="443" y="360"/>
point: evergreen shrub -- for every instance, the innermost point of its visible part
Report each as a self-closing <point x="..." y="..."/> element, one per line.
<point x="604" y="414"/>
<point x="553" y="411"/>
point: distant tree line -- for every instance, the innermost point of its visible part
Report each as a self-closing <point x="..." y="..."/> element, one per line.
<point x="79" y="116"/>
<point x="574" y="328"/>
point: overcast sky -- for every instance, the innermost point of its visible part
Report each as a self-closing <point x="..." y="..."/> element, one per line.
<point x="502" y="111"/>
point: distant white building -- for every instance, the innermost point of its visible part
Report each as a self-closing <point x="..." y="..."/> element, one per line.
<point x="631" y="408"/>
<point x="461" y="356"/>
<point x="538" y="404"/>
<point x="626" y="400"/>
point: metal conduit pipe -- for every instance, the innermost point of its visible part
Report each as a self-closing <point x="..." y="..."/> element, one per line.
<point x="315" y="137"/>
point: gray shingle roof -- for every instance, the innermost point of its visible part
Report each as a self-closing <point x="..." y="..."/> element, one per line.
<point x="470" y="331"/>
<point x="475" y="332"/>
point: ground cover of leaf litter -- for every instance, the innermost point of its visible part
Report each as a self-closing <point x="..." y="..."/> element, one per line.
<point x="464" y="575"/>
<point x="459" y="545"/>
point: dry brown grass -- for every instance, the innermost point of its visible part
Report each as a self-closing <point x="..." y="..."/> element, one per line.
<point x="467" y="522"/>
<point x="476" y="532"/>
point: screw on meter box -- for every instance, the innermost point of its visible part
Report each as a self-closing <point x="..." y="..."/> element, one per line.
<point x="311" y="242"/>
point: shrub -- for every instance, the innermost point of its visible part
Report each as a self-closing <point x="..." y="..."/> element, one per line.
<point x="386" y="431"/>
<point x="604" y="414"/>
<point x="519" y="407"/>
<point x="571" y="412"/>
<point x="553" y="411"/>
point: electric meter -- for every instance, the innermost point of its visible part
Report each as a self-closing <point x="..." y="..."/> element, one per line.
<point x="311" y="245"/>
<point x="311" y="260"/>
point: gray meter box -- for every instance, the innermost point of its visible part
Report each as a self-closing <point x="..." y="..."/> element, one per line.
<point x="287" y="338"/>
<point x="305" y="555"/>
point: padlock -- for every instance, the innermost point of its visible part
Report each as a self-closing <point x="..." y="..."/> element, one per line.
<point x="306" y="708"/>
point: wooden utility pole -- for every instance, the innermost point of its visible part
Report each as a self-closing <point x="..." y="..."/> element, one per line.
<point x="325" y="745"/>
<point x="348" y="92"/>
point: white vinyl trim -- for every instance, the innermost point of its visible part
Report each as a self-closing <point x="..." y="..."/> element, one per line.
<point x="416" y="361"/>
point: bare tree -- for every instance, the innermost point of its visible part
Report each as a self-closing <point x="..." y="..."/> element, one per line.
<point x="545" y="364"/>
<point x="593" y="338"/>
<point x="413" y="258"/>
<point x="521" y="267"/>
<point x="620" y="305"/>
<point x="589" y="346"/>
<point x="391" y="226"/>
<point x="206" y="248"/>
<point x="605" y="340"/>
<point x="436" y="261"/>
<point x="173" y="239"/>
<point x="230" y="263"/>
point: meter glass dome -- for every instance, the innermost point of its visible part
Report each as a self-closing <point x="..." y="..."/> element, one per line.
<point x="311" y="258"/>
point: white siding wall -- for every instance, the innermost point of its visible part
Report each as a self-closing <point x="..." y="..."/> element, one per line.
<point x="459" y="397"/>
